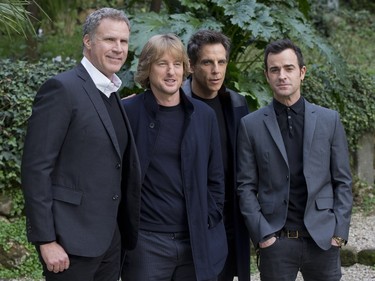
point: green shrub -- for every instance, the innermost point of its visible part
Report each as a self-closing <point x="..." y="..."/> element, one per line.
<point x="354" y="100"/>
<point x="19" y="82"/>
<point x="14" y="233"/>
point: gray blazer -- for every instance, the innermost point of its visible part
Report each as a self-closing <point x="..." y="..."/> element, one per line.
<point x="263" y="175"/>
<point x="73" y="176"/>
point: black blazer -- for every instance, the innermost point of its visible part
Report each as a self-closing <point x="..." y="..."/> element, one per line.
<point x="73" y="176"/>
<point x="234" y="108"/>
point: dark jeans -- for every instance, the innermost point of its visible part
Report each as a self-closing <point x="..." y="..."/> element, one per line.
<point x="102" y="268"/>
<point x="160" y="257"/>
<point x="282" y="261"/>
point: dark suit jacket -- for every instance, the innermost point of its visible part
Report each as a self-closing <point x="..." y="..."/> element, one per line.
<point x="263" y="175"/>
<point x="201" y="171"/>
<point x="73" y="176"/>
<point x="234" y="108"/>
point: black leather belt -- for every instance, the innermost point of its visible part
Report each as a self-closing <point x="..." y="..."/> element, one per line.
<point x="294" y="234"/>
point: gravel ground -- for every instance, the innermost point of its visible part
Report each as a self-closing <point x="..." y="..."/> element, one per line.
<point x="361" y="236"/>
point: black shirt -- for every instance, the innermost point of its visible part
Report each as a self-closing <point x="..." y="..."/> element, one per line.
<point x="163" y="200"/>
<point x="118" y="122"/>
<point x="216" y="104"/>
<point x="291" y="124"/>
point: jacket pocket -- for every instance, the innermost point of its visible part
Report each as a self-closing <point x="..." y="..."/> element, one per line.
<point x="67" y="195"/>
<point x="214" y="218"/>
<point x="324" y="203"/>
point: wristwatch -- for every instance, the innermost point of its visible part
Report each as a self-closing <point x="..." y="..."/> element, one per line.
<point x="339" y="241"/>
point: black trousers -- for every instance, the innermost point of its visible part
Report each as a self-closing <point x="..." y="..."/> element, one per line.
<point x="160" y="257"/>
<point x="283" y="259"/>
<point x="103" y="268"/>
<point x="230" y="268"/>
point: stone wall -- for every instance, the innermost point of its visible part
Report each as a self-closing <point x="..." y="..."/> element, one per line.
<point x="365" y="158"/>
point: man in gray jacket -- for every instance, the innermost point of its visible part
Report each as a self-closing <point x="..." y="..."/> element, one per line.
<point x="294" y="179"/>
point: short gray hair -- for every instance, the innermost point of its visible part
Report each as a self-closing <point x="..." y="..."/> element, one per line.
<point x="93" y="20"/>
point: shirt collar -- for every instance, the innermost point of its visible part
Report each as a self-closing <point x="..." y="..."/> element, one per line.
<point x="105" y="85"/>
<point x="297" y="107"/>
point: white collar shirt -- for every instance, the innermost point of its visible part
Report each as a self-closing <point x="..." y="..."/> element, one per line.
<point x="105" y="85"/>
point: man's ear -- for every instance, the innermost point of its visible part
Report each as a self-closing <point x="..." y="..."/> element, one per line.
<point x="87" y="41"/>
<point x="303" y="72"/>
<point x="266" y="74"/>
<point x="191" y="67"/>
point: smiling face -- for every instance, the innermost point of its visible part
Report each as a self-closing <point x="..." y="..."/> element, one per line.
<point x="166" y="76"/>
<point x="107" y="48"/>
<point x="285" y="76"/>
<point x="209" y="71"/>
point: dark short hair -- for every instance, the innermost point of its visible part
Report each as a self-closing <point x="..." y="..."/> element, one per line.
<point x="280" y="45"/>
<point x="206" y="37"/>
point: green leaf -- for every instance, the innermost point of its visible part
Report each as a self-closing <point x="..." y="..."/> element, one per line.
<point x="194" y="5"/>
<point x="249" y="15"/>
<point x="183" y="25"/>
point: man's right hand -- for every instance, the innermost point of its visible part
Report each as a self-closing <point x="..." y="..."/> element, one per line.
<point x="267" y="243"/>
<point x="55" y="257"/>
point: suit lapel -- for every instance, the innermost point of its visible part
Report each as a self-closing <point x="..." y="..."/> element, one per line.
<point x="310" y="124"/>
<point x="274" y="130"/>
<point x="96" y="99"/>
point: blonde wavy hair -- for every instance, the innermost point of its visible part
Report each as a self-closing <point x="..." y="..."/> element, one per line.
<point x="154" y="49"/>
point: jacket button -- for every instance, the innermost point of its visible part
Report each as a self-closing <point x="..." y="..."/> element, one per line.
<point x="118" y="166"/>
<point x="152" y="125"/>
<point x="115" y="197"/>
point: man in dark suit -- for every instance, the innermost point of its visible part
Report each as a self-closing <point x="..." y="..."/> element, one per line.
<point x="80" y="169"/>
<point x="208" y="53"/>
<point x="182" y="235"/>
<point x="294" y="179"/>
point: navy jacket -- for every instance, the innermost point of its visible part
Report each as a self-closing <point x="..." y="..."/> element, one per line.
<point x="202" y="173"/>
<point x="234" y="108"/>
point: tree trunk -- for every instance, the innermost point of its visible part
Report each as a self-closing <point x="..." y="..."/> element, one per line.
<point x="31" y="41"/>
<point x="155" y="6"/>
